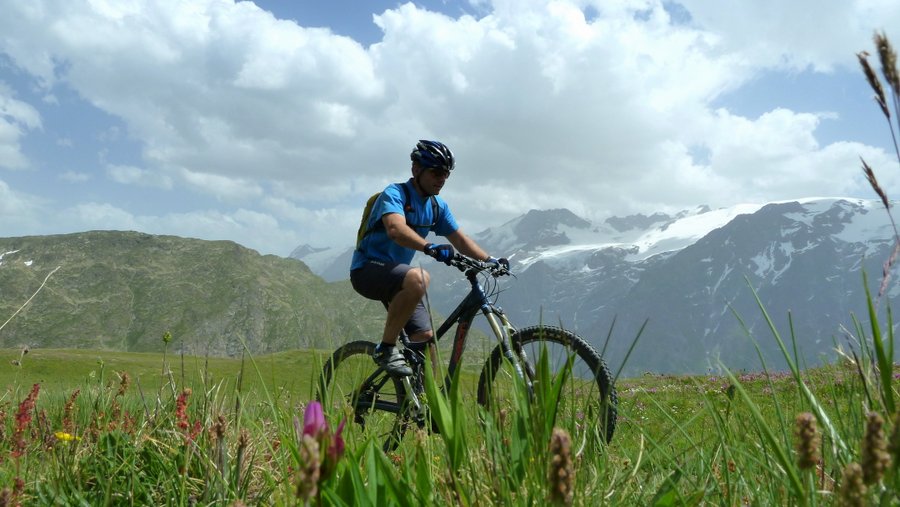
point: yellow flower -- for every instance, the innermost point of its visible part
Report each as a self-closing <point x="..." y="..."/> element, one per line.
<point x="65" y="437"/>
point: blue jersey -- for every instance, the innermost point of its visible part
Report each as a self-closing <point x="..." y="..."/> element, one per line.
<point x="376" y="245"/>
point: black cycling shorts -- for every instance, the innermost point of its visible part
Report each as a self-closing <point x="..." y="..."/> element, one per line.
<point x="382" y="281"/>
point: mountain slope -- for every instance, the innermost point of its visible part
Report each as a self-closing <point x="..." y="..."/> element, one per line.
<point x="123" y="290"/>
<point x="805" y="258"/>
<point x="691" y="278"/>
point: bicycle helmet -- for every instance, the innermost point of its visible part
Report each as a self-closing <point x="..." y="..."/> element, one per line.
<point x="432" y="154"/>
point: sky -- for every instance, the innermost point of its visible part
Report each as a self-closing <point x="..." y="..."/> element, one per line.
<point x="269" y="123"/>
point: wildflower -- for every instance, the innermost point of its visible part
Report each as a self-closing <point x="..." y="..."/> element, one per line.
<point x="309" y="472"/>
<point x="190" y="431"/>
<point x="314" y="420"/>
<point x="314" y="425"/>
<point x="853" y="489"/>
<point x="875" y="458"/>
<point x="562" y="471"/>
<point x="808" y="441"/>
<point x="68" y="425"/>
<point x="65" y="437"/>
<point x="124" y="381"/>
<point x="18" y="487"/>
<point x="320" y="450"/>
<point x="166" y="337"/>
<point x="23" y="419"/>
<point x="334" y="451"/>
<point x="181" y="417"/>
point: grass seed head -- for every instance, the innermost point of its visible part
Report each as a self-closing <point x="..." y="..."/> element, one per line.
<point x="873" y="181"/>
<point x="853" y="489"/>
<point x="561" y="476"/>
<point x="894" y="443"/>
<point x="888" y="58"/>
<point x="875" y="458"/>
<point x="809" y="441"/>
<point x="874" y="82"/>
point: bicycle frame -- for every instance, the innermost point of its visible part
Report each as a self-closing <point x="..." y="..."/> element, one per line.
<point x="462" y="316"/>
<point x="403" y="395"/>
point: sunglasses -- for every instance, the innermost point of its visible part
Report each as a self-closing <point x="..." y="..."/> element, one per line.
<point x="440" y="173"/>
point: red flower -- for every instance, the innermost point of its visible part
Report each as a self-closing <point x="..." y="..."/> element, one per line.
<point x="23" y="419"/>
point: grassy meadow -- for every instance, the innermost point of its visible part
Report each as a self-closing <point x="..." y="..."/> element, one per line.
<point x="110" y="428"/>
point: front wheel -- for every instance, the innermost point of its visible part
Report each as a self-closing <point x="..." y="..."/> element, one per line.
<point x="352" y="387"/>
<point x="588" y="402"/>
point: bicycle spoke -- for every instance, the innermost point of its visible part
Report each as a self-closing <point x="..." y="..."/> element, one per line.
<point x="352" y="389"/>
<point x="587" y="402"/>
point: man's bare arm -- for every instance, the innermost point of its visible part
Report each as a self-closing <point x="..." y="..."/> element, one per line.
<point x="402" y="234"/>
<point x="466" y="245"/>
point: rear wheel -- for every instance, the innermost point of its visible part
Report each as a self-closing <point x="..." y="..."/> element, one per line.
<point x="353" y="387"/>
<point x="588" y="401"/>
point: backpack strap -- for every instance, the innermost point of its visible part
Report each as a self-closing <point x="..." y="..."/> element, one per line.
<point x="408" y="207"/>
<point x="364" y="230"/>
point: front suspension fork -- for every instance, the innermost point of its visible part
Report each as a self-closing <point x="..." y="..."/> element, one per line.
<point x="515" y="354"/>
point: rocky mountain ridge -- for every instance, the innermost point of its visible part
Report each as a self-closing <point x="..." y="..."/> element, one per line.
<point x="693" y="278"/>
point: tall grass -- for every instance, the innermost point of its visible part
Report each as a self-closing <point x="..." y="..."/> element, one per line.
<point x="208" y="436"/>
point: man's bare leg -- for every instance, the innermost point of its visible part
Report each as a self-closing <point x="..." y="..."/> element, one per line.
<point x="404" y="304"/>
<point x="401" y="308"/>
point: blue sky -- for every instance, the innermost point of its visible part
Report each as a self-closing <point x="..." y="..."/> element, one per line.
<point x="270" y="123"/>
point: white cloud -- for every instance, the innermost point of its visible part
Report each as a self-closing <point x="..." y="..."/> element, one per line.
<point x="16" y="118"/>
<point x="615" y="112"/>
<point x="75" y="176"/>
<point x="223" y="187"/>
<point x="249" y="228"/>
<point x="100" y="216"/>
<point x="23" y="214"/>
<point x="793" y="34"/>
<point x="130" y="175"/>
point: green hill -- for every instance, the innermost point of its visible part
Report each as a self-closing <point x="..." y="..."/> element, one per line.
<point x="124" y="290"/>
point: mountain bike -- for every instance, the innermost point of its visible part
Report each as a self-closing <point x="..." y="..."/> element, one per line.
<point x="386" y="406"/>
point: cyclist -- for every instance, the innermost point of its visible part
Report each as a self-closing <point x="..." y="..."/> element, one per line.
<point x="396" y="228"/>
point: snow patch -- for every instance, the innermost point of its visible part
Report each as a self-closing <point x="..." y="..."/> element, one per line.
<point x="4" y="254"/>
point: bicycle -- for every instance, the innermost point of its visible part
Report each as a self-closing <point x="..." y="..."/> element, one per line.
<point x="351" y="382"/>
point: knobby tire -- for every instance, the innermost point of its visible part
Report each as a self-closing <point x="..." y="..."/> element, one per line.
<point x="599" y="417"/>
<point x="352" y="386"/>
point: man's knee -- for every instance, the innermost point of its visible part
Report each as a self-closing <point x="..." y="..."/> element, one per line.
<point x="423" y="337"/>
<point x="416" y="280"/>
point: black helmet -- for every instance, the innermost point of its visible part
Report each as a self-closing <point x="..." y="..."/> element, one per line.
<point x="432" y="155"/>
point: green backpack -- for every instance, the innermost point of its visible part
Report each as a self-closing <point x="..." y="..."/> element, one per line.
<point x="407" y="207"/>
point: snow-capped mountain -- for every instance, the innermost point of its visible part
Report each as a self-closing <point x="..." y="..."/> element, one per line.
<point x="691" y="277"/>
<point x="332" y="264"/>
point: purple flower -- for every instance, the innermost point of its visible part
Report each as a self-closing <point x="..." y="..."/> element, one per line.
<point x="330" y="446"/>
<point x="336" y="449"/>
<point x="314" y="423"/>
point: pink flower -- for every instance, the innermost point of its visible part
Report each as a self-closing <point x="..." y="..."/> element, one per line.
<point x="336" y="449"/>
<point x="330" y="446"/>
<point x="314" y="423"/>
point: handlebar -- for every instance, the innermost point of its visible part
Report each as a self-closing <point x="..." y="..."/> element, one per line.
<point x="464" y="263"/>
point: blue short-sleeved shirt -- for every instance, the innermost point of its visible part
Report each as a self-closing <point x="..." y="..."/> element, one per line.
<point x="376" y="245"/>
